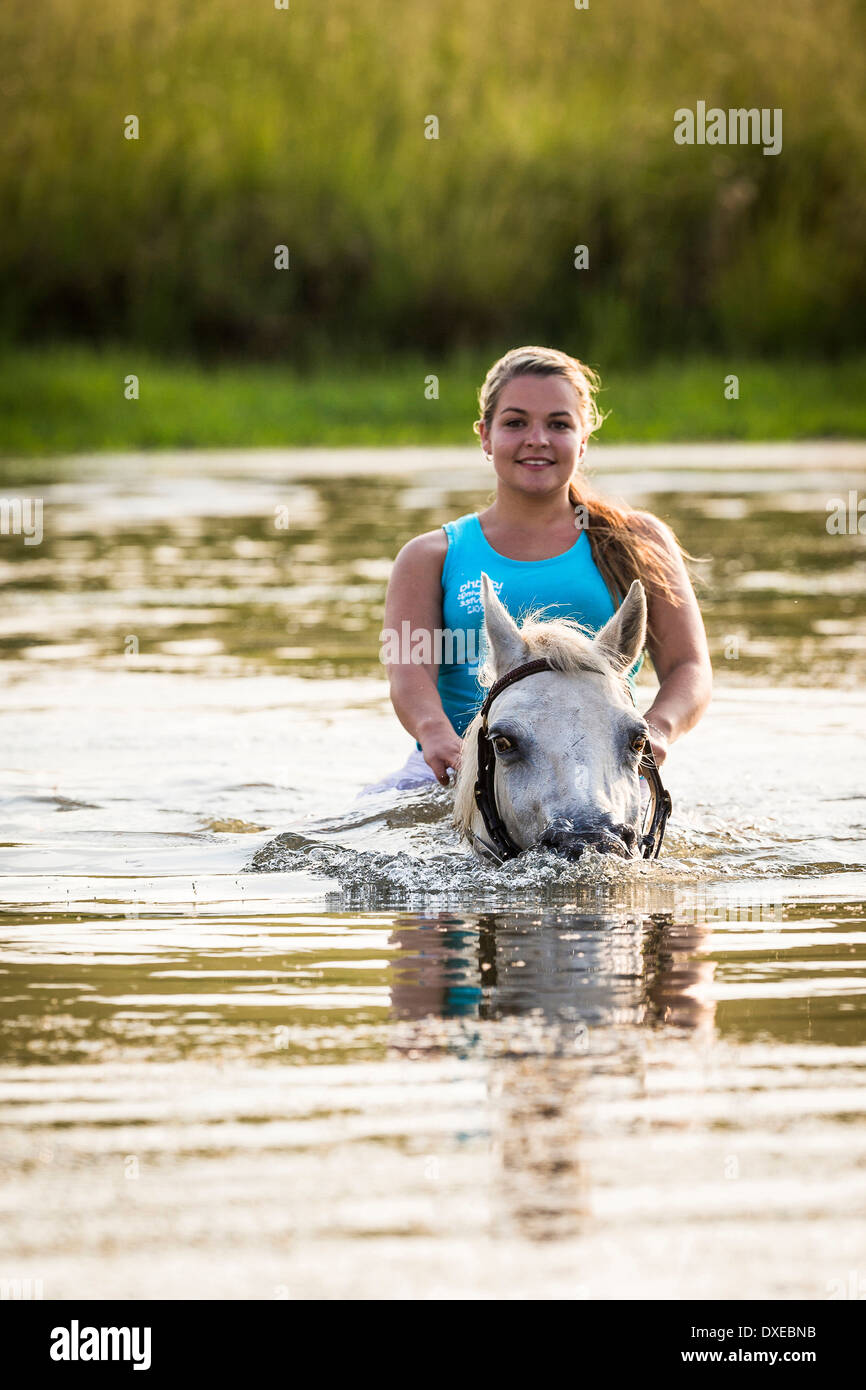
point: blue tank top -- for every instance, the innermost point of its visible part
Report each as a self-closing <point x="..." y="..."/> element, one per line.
<point x="566" y="586"/>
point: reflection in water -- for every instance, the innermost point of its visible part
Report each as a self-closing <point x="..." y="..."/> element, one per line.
<point x="589" y="969"/>
<point x="578" y="977"/>
<point x="579" y="1101"/>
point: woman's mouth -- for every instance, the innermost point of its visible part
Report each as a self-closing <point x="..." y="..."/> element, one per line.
<point x="536" y="463"/>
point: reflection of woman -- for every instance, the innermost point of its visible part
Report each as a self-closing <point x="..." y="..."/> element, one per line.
<point x="537" y="414"/>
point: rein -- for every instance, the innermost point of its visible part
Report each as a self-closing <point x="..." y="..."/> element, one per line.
<point x="500" y="844"/>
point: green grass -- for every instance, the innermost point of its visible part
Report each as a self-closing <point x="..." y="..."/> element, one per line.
<point x="307" y="128"/>
<point x="71" y="400"/>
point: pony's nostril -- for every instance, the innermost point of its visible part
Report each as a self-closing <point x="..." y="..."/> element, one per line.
<point x="627" y="835"/>
<point x="568" y="846"/>
<point x="560" y="832"/>
<point x="613" y="844"/>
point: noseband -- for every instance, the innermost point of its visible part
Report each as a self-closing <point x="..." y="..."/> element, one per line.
<point x="500" y="844"/>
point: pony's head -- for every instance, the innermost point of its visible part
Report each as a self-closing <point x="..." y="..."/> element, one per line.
<point x="568" y="742"/>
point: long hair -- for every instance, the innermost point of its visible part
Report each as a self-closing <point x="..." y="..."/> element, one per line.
<point x="621" y="548"/>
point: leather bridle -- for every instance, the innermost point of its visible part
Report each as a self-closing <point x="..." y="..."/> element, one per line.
<point x="500" y="844"/>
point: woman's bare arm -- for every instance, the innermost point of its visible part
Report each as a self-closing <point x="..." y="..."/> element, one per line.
<point x="415" y="596"/>
<point x="678" y="649"/>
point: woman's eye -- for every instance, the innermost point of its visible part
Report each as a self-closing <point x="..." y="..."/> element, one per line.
<point x="503" y="744"/>
<point x="557" y="424"/>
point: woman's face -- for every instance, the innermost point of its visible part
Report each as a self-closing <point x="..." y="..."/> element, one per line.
<point x="536" y="436"/>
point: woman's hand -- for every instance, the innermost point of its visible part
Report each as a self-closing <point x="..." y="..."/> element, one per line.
<point x="441" y="748"/>
<point x="659" y="739"/>
<point x="659" y="744"/>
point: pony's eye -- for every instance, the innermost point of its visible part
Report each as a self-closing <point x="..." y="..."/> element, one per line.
<point x="503" y="744"/>
<point x="638" y="743"/>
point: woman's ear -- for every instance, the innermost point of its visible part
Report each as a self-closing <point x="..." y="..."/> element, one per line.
<point x="484" y="436"/>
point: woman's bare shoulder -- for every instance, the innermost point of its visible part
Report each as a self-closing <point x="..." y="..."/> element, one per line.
<point x="646" y="524"/>
<point x="424" y="552"/>
<point x="415" y="586"/>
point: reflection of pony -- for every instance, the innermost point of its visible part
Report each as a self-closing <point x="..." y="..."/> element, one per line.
<point x="554" y="1005"/>
<point x="568" y="742"/>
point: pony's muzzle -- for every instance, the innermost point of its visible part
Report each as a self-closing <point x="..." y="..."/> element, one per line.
<point x="565" y="838"/>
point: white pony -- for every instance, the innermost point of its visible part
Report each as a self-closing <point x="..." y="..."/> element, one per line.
<point x="568" y="742"/>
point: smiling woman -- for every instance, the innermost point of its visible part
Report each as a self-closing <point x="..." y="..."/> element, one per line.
<point x="538" y="411"/>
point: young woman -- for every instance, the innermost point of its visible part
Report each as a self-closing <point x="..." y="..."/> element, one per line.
<point x="547" y="540"/>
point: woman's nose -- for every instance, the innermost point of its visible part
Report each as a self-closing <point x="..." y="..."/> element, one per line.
<point x="537" y="434"/>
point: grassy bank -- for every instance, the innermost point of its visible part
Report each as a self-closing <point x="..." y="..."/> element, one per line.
<point x="312" y="128"/>
<point x="71" y="400"/>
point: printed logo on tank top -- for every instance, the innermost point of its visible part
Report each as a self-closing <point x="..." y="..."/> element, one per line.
<point x="469" y="594"/>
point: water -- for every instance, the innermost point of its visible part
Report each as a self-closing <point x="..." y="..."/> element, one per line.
<point x="377" y="1068"/>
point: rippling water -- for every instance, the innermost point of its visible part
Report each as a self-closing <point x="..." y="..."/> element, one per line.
<point x="373" y="1067"/>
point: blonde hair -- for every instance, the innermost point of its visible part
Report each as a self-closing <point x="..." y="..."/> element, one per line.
<point x="621" y="546"/>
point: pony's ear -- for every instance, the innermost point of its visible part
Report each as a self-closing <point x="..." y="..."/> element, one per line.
<point x="507" y="647"/>
<point x="623" y="636"/>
